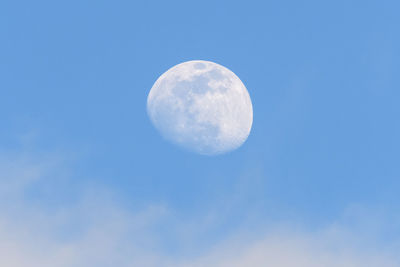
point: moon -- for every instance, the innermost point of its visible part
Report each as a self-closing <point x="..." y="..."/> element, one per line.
<point x="201" y="106"/>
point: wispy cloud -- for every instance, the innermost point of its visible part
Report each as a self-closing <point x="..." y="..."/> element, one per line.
<point x="330" y="248"/>
<point x="97" y="230"/>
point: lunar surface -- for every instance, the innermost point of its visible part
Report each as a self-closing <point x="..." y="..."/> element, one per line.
<point x="201" y="106"/>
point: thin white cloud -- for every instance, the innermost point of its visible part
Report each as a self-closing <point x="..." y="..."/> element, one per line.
<point x="288" y="249"/>
<point x="96" y="230"/>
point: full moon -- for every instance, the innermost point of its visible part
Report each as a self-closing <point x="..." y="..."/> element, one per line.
<point x="201" y="106"/>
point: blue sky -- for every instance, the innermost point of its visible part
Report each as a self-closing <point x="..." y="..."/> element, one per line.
<point x="324" y="81"/>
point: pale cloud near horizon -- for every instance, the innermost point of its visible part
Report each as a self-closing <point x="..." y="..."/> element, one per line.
<point x="286" y="249"/>
<point x="100" y="231"/>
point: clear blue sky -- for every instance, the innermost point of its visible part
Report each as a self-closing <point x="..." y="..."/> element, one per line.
<point x="324" y="81"/>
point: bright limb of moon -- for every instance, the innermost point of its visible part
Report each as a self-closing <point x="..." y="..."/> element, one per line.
<point x="201" y="106"/>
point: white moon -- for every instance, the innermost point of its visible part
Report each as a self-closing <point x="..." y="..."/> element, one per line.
<point x="201" y="106"/>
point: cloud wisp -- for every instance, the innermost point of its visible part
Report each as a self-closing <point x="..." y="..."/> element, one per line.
<point x="100" y="231"/>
